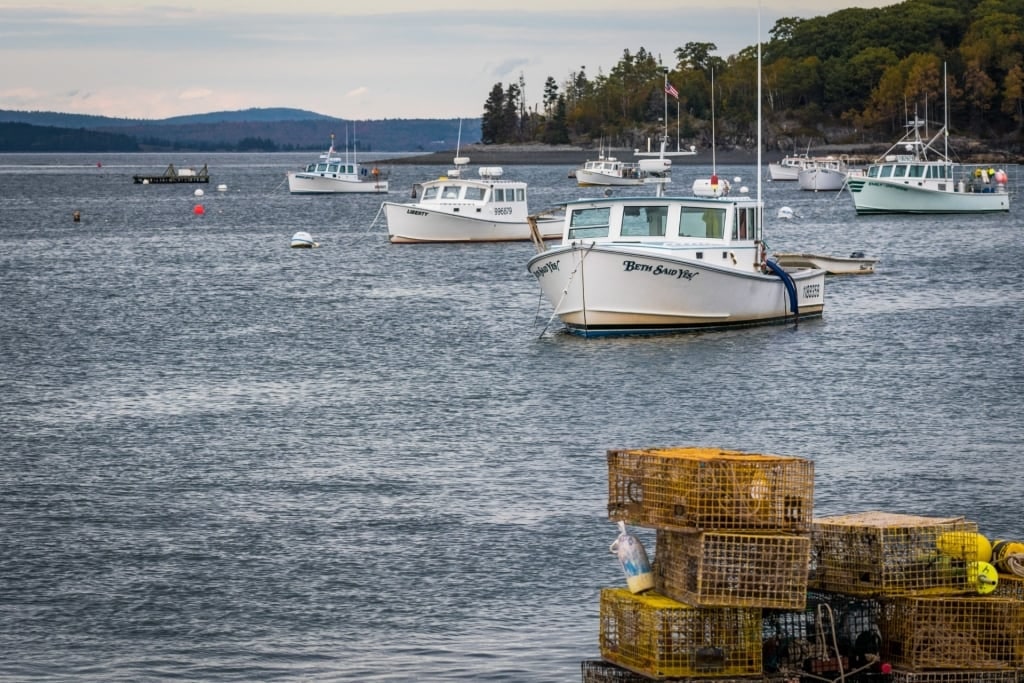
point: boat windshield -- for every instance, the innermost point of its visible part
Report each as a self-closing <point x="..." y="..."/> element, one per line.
<point x="321" y="168"/>
<point x="644" y="221"/>
<point x="592" y="222"/>
<point x="695" y="221"/>
<point x="475" y="194"/>
<point x="430" y="192"/>
<point x="450" y="192"/>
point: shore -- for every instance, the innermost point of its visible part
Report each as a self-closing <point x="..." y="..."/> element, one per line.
<point x="570" y="155"/>
<point x="560" y="155"/>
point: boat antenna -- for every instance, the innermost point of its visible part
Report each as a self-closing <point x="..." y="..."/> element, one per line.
<point x="458" y="142"/>
<point x="945" y="114"/>
<point x="714" y="166"/>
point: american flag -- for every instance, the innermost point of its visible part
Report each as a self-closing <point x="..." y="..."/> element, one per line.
<point x="671" y="90"/>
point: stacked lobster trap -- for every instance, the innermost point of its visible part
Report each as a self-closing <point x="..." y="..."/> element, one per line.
<point x="940" y="613"/>
<point x="732" y="539"/>
<point x="747" y="586"/>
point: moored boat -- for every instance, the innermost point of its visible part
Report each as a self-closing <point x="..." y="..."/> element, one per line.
<point x="652" y="264"/>
<point x="332" y="174"/>
<point x="824" y="174"/>
<point x="915" y="176"/>
<point x="455" y="208"/>
<point x="854" y="264"/>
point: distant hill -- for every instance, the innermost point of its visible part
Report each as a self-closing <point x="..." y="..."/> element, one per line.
<point x="24" y="137"/>
<point x="273" y="129"/>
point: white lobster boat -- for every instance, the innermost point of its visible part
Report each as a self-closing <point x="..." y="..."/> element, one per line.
<point x="454" y="208"/>
<point x="652" y="264"/>
<point x="332" y="174"/>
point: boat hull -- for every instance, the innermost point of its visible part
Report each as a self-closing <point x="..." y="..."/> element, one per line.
<point x="413" y="223"/>
<point x="586" y="178"/>
<point x="821" y="179"/>
<point x="600" y="289"/>
<point x="873" y="196"/>
<point x="313" y="183"/>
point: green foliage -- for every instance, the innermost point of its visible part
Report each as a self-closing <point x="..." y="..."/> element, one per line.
<point x="870" y="68"/>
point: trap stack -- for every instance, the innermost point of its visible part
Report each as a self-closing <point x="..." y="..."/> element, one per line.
<point x="732" y="539"/>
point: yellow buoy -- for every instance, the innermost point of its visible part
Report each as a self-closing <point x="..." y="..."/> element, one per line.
<point x="1001" y="551"/>
<point x="965" y="545"/>
<point x="983" y="576"/>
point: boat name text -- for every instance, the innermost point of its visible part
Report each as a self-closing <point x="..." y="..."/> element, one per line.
<point x="678" y="273"/>
<point x="416" y="212"/>
<point x="549" y="267"/>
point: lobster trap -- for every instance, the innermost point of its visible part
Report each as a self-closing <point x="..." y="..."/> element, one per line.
<point x="883" y="554"/>
<point x="660" y="638"/>
<point x="984" y="633"/>
<point x="835" y="634"/>
<point x="724" y="569"/>
<point x="688" y="488"/>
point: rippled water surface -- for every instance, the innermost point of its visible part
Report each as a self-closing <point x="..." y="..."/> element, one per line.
<point x="224" y="459"/>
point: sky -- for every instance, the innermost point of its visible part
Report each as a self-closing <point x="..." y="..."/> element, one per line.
<point x="350" y="59"/>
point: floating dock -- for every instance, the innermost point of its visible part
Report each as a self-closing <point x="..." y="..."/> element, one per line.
<point x="174" y="175"/>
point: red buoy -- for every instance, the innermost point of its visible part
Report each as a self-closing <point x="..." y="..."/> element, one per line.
<point x="199" y="210"/>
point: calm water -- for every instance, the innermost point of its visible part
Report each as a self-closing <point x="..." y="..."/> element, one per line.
<point x="224" y="459"/>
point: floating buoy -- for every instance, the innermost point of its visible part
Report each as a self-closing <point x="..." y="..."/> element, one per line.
<point x="222" y="188"/>
<point x="785" y="213"/>
<point x="198" y="210"/>
<point x="303" y="240"/>
<point x="76" y="216"/>
<point x="99" y="164"/>
<point x="198" y="193"/>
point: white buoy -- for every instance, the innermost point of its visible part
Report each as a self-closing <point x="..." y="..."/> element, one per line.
<point x="303" y="240"/>
<point x="785" y="213"/>
<point x="222" y="188"/>
<point x="198" y="193"/>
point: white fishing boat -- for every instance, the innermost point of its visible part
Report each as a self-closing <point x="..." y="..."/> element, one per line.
<point x="914" y="176"/>
<point x="333" y="173"/>
<point x="824" y="174"/>
<point x="610" y="171"/>
<point x="642" y="265"/>
<point x="854" y="264"/>
<point x="789" y="167"/>
<point x="456" y="208"/>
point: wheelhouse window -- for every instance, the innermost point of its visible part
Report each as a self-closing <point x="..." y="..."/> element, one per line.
<point x="899" y="171"/>
<point x="591" y="222"/>
<point x="431" y="192"/>
<point x="917" y="171"/>
<point x="499" y="194"/>
<point x="697" y="221"/>
<point x="321" y="168"/>
<point x="743" y="225"/>
<point x="520" y="194"/>
<point x="450" y="192"/>
<point x="475" y="194"/>
<point x="644" y="221"/>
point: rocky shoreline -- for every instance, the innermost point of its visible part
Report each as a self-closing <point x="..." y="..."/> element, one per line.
<point x="558" y="155"/>
<point x="571" y="155"/>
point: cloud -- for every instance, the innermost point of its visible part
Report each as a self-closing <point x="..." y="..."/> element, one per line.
<point x="358" y="92"/>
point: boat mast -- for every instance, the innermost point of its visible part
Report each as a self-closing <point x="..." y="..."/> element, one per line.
<point x="758" y="101"/>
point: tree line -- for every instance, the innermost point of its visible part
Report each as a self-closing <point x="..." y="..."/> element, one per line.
<point x="854" y="75"/>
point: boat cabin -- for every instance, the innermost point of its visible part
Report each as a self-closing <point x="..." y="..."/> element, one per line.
<point x="670" y="220"/>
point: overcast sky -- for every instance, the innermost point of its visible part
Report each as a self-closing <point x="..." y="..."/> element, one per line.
<point x="352" y="59"/>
